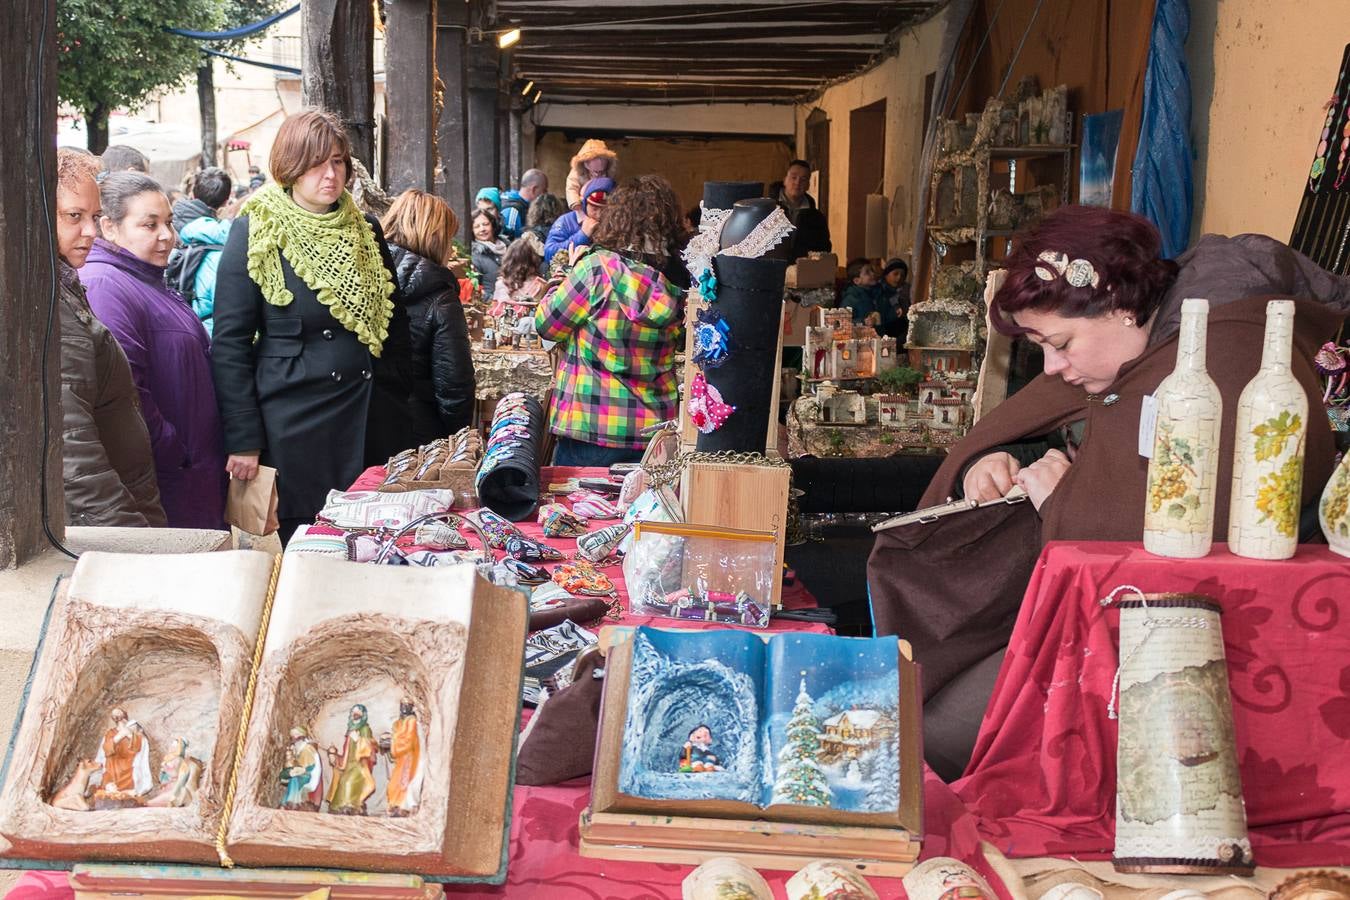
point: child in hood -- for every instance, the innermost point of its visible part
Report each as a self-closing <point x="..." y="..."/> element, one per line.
<point x="593" y="160"/>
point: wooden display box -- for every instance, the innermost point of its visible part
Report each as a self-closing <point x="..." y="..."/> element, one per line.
<point x="735" y="495"/>
<point x="812" y="271"/>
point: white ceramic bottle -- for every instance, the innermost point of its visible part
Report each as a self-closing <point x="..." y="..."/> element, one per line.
<point x="1179" y="508"/>
<point x="1334" y="508"/>
<point x="1272" y="430"/>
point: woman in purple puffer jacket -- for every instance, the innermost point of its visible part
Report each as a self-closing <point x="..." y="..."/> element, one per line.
<point x="165" y="343"/>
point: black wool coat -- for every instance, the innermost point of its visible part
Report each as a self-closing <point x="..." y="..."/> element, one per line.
<point x="301" y="393"/>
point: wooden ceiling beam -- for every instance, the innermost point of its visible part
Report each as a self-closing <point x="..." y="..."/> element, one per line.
<point x="696" y="15"/>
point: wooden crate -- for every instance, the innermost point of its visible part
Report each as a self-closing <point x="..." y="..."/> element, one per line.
<point x="735" y="495"/>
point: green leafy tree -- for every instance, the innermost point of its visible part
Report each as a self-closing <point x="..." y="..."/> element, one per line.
<point x="800" y="778"/>
<point x="117" y="54"/>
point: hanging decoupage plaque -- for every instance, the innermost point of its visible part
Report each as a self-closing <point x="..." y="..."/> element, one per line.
<point x="378" y="734"/>
<point x="1179" y="806"/>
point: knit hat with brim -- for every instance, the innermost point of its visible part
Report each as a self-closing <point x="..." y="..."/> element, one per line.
<point x="491" y="194"/>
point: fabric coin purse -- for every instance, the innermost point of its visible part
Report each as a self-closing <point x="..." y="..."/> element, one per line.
<point x="524" y="572"/>
<point x="526" y="550"/>
<point x="591" y="505"/>
<point x="580" y="577"/>
<point x="497" y="529"/>
<point x="598" y="546"/>
<point x="561" y="523"/>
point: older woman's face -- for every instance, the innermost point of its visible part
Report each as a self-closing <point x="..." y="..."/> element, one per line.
<point x="1087" y="352"/>
<point x="146" y="231"/>
<point x="77" y="214"/>
<point x="482" y="228"/>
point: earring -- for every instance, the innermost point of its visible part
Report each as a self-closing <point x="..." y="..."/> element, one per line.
<point x="1127" y="321"/>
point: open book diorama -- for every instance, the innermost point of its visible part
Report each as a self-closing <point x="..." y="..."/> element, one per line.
<point x="698" y="728"/>
<point x="378" y="732"/>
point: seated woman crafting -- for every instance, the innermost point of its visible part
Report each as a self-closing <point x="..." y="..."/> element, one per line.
<point x="1088" y="287"/>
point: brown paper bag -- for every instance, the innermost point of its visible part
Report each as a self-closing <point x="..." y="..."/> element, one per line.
<point x="251" y="506"/>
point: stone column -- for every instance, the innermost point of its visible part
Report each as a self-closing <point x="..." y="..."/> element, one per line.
<point x="452" y="134"/>
<point x="338" y="69"/>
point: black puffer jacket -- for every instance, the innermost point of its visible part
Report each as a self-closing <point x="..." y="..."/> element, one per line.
<point x="442" y="390"/>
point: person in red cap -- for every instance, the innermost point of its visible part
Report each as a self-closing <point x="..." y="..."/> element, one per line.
<point x="574" y="229"/>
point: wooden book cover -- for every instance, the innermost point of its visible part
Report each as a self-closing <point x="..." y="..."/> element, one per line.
<point x="802" y="728"/>
<point x="380" y="733"/>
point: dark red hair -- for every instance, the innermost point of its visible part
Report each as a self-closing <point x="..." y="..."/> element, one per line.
<point x="1122" y="247"/>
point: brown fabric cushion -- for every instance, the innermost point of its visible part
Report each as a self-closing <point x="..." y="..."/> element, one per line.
<point x="560" y="743"/>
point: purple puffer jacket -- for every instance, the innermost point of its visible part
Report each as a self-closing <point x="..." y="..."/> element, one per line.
<point x="170" y="358"/>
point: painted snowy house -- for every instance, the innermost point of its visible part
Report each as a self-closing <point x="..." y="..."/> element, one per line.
<point x="843" y="408"/>
<point x="852" y="732"/>
<point x="886" y="354"/>
<point x="892" y="410"/>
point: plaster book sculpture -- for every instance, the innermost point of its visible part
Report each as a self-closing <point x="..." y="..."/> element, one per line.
<point x="1179" y="806"/>
<point x="799" y="728"/>
<point x="1184" y="467"/>
<point x="1272" y="429"/>
<point x="223" y="708"/>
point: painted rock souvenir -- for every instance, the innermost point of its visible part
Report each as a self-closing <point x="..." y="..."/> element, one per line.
<point x="725" y="878"/>
<point x="829" y="878"/>
<point x="944" y="878"/>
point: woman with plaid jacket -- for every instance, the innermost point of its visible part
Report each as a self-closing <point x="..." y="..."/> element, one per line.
<point x="618" y="320"/>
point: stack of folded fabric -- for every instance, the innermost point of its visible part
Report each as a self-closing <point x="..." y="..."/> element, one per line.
<point x="508" y="477"/>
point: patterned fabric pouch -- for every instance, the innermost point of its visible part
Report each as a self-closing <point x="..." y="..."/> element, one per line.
<point x="526" y="550"/>
<point x="497" y="529"/>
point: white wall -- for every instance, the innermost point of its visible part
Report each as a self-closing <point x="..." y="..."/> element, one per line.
<point x="899" y="81"/>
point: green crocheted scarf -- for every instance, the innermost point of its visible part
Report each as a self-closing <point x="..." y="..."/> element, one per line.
<point x="334" y="253"/>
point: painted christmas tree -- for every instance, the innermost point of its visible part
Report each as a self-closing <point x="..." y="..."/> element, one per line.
<point x="800" y="778"/>
<point x="883" y="775"/>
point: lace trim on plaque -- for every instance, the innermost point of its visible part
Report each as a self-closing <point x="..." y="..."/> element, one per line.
<point x="1172" y="846"/>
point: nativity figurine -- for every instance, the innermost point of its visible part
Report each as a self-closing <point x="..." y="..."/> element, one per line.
<point x="404" y="747"/>
<point x="302" y="774"/>
<point x="697" y="755"/>
<point x="124" y="756"/>
<point x="180" y="776"/>
<point x="75" y="794"/>
<point x="353" y="767"/>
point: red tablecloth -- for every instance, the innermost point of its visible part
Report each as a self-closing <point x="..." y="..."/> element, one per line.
<point x="544" y="861"/>
<point x="1043" y="777"/>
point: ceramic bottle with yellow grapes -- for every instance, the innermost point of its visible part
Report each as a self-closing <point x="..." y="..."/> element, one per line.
<point x="1179" y="509"/>
<point x="1272" y="429"/>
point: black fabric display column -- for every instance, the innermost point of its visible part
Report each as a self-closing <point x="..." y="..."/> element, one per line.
<point x="750" y="298"/>
<point x="724" y="194"/>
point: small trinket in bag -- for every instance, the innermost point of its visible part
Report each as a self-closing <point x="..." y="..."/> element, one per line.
<point x="701" y="572"/>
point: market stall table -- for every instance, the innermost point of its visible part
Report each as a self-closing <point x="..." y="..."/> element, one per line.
<point x="1043" y="777"/>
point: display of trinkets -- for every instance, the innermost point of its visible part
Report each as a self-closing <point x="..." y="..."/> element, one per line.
<point x="706" y="606"/>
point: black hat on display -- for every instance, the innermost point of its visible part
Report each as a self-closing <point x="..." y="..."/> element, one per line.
<point x="736" y="338"/>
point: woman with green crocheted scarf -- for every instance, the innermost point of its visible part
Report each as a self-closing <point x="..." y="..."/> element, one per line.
<point x="304" y="306"/>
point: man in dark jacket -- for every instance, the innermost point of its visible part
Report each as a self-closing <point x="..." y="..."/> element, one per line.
<point x="108" y="465"/>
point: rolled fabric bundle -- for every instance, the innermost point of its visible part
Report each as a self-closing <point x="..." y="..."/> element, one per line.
<point x="508" y="478"/>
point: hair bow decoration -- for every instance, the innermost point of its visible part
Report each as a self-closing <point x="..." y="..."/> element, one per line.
<point x="706" y="409"/>
<point x="1077" y="272"/>
<point x="712" y="339"/>
<point x="707" y="285"/>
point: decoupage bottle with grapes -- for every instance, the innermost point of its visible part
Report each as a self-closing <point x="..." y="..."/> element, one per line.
<point x="1272" y="429"/>
<point x="1179" y="509"/>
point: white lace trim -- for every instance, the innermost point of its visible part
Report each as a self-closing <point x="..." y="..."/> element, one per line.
<point x="702" y="247"/>
<point x="769" y="233"/>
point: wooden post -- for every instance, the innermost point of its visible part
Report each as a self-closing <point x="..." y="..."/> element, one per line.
<point x="337" y="62"/>
<point x="410" y="93"/>
<point x="482" y="130"/>
<point x="27" y="282"/>
<point x="452" y="137"/>
<point x="514" y="155"/>
<point x="504" y="121"/>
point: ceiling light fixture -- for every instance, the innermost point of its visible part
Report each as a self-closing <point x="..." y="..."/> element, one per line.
<point x="508" y="38"/>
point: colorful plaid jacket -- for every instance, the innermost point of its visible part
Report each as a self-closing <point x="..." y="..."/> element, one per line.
<point x="619" y="323"/>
